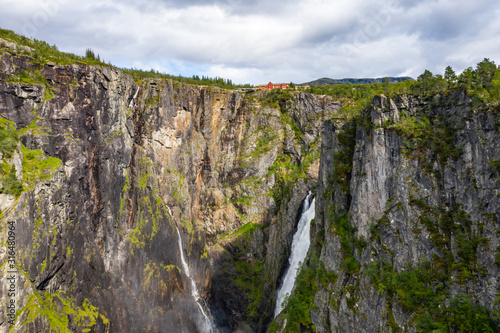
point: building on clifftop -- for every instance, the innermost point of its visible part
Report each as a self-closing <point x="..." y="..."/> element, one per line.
<point x="273" y="86"/>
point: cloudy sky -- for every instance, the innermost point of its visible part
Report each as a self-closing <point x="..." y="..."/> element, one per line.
<point x="256" y="41"/>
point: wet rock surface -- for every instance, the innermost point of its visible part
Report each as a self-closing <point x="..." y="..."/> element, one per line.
<point x="96" y="240"/>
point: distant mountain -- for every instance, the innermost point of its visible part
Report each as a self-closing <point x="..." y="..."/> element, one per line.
<point x="326" y="81"/>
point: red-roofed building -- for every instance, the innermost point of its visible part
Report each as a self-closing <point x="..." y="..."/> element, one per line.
<point x="273" y="86"/>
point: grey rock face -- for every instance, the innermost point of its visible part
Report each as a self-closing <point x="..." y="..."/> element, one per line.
<point x="96" y="236"/>
<point x="396" y="187"/>
<point x="111" y="167"/>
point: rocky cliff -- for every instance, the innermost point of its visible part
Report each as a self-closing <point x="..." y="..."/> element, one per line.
<point x="99" y="170"/>
<point x="408" y="218"/>
<point x="104" y="169"/>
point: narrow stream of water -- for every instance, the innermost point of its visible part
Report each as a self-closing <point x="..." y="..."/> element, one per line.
<point x="300" y="246"/>
<point x="207" y="325"/>
<point x="132" y="102"/>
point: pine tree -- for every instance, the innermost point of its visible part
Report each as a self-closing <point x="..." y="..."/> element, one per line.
<point x="386" y="85"/>
<point x="89" y="54"/>
<point x="466" y="79"/>
<point x="450" y="76"/>
<point x="495" y="86"/>
<point x="484" y="72"/>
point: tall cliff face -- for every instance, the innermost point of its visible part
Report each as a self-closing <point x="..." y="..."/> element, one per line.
<point x="407" y="220"/>
<point x="111" y="167"/>
<point x="98" y="172"/>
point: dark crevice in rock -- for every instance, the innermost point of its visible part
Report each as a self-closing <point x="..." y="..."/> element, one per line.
<point x="95" y="189"/>
<point x="43" y="284"/>
<point x="138" y="121"/>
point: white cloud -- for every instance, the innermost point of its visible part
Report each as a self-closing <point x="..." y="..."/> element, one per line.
<point x="257" y="41"/>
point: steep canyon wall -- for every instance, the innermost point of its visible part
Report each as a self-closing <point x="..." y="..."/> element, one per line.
<point x="408" y="217"/>
<point x="407" y="205"/>
<point x="111" y="166"/>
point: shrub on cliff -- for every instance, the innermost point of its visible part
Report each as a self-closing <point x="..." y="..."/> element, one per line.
<point x="10" y="183"/>
<point x="8" y="138"/>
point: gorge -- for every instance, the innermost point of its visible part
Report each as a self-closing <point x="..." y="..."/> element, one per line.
<point x="149" y="205"/>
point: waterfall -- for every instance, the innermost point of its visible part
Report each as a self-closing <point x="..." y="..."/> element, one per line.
<point x="131" y="105"/>
<point x="207" y="325"/>
<point x="300" y="245"/>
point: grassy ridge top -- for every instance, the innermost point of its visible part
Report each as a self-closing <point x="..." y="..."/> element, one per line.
<point x="42" y="52"/>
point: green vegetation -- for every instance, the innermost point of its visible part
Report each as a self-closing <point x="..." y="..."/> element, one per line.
<point x="28" y="77"/>
<point x="420" y="291"/>
<point x="49" y="94"/>
<point x="427" y="138"/>
<point x="298" y="306"/>
<point x="57" y="312"/>
<point x="37" y="166"/>
<point x="483" y="83"/>
<point x="42" y="52"/>
<point x="139" y="75"/>
<point x="339" y="180"/>
<point x="244" y="275"/>
<point x="34" y="130"/>
<point x="495" y="165"/>
<point x="446" y="226"/>
<point x="285" y="168"/>
<point x="276" y="99"/>
<point x="424" y="290"/>
<point x="57" y="309"/>
<point x="154" y="277"/>
<point x="151" y="209"/>
<point x="248" y="279"/>
<point x="342" y="158"/>
<point x="358" y="97"/>
<point x="465" y="316"/>
<point x="123" y="195"/>
<point x="8" y="137"/>
<point x="246" y="228"/>
<point x="264" y="141"/>
<point x="10" y="183"/>
<point x="152" y="101"/>
<point x="354" y="92"/>
<point x="287" y="174"/>
<point x="90" y="55"/>
<point x="264" y="144"/>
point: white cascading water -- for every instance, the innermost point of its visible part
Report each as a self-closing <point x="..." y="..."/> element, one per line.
<point x="300" y="245"/>
<point x="207" y="323"/>
<point x="131" y="105"/>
